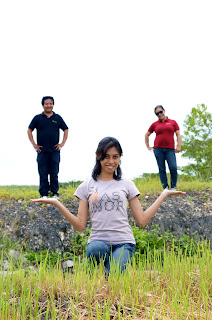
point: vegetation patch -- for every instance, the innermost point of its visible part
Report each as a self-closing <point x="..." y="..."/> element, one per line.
<point x="148" y="184"/>
<point x="178" y="286"/>
<point x="170" y="276"/>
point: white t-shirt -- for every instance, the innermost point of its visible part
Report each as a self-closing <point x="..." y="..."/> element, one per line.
<point x="108" y="209"/>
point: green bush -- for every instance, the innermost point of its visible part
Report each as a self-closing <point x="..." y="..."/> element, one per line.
<point x="146" y="243"/>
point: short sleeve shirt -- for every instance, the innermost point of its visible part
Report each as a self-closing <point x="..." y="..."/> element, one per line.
<point x="164" y="133"/>
<point x="108" y="209"/>
<point x="48" y="130"/>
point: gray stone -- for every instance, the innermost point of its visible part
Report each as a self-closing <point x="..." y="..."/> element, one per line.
<point x="5" y="264"/>
<point x="14" y="254"/>
<point x="68" y="264"/>
<point x="45" y="227"/>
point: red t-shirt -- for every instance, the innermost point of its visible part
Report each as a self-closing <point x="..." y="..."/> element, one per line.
<point x="164" y="133"/>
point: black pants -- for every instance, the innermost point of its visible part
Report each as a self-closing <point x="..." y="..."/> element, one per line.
<point x="48" y="165"/>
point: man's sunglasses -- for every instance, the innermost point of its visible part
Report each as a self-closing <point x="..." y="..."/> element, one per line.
<point x="160" y="112"/>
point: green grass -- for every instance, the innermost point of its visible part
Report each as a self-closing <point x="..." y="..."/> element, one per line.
<point x="30" y="192"/>
<point x="150" y="184"/>
<point x="146" y="241"/>
<point x="147" y="184"/>
<point x="175" y="287"/>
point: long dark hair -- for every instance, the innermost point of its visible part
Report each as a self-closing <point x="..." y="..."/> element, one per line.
<point x="103" y="146"/>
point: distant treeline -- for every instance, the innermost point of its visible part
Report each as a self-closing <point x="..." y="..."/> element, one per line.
<point x="65" y="185"/>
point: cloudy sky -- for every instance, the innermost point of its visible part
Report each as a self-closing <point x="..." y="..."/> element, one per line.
<point x="107" y="64"/>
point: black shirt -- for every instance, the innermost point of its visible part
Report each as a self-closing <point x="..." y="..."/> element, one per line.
<point x="48" y="130"/>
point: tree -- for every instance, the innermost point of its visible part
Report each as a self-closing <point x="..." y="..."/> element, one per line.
<point x="197" y="142"/>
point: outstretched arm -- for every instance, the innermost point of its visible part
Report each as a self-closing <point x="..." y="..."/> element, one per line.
<point x="143" y="217"/>
<point x="78" y="222"/>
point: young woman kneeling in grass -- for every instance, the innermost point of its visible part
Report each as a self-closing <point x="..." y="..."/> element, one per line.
<point x="105" y="197"/>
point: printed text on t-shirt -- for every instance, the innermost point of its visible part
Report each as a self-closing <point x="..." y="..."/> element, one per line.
<point x="105" y="202"/>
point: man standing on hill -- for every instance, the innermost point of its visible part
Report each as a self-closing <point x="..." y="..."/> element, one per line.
<point x="48" y="125"/>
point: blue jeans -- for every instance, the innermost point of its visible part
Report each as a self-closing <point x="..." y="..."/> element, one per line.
<point x="121" y="254"/>
<point x="48" y="164"/>
<point x="162" y="155"/>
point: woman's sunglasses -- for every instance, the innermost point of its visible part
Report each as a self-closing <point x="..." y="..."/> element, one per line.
<point x="160" y="112"/>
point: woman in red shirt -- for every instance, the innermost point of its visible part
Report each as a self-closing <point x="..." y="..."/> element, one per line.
<point x="164" y="148"/>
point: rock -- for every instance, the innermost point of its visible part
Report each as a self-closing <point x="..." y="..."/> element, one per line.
<point x="5" y="265"/>
<point x="44" y="227"/>
<point x="188" y="215"/>
<point x="68" y="264"/>
<point x="14" y="254"/>
<point x="3" y="274"/>
<point x="32" y="268"/>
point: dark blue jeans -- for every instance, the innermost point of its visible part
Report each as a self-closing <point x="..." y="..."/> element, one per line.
<point x="121" y="254"/>
<point x="162" y="155"/>
<point x="48" y="165"/>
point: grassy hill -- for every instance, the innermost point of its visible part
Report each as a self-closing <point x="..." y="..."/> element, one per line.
<point x="147" y="184"/>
